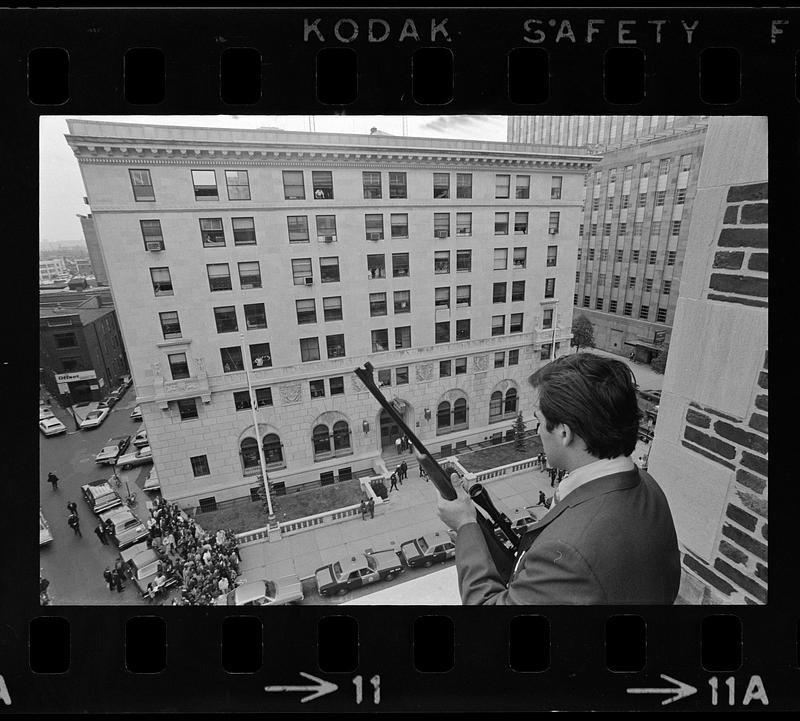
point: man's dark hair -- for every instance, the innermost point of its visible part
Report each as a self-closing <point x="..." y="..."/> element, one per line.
<point x="596" y="397"/>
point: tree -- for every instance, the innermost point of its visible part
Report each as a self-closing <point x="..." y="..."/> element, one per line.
<point x="659" y="362"/>
<point x="519" y="433"/>
<point x="582" y="333"/>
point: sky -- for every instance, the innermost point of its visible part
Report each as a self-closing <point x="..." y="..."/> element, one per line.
<point x="61" y="188"/>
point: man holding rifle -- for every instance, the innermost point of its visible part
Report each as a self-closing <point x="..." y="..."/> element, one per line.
<point x="608" y="537"/>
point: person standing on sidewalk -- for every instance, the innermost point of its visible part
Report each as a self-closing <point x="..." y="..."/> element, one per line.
<point x="422" y="473"/>
<point x="75" y="524"/>
<point x="53" y="478"/>
<point x="371" y="507"/>
<point x="363" y="509"/>
<point x="116" y="580"/>
<point x="101" y="534"/>
<point x="398" y="444"/>
<point x="108" y="577"/>
<point x="393" y="486"/>
<point x="404" y="469"/>
<point x="72" y="507"/>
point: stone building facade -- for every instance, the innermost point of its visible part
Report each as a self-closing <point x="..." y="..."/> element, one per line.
<point x="305" y="255"/>
<point x="710" y="453"/>
<point x="93" y="246"/>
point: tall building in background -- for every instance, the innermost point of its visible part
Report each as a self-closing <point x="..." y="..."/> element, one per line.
<point x="710" y="453"/>
<point x="303" y="255"/>
<point x="51" y="269"/>
<point x="598" y="132"/>
<point x="93" y="245"/>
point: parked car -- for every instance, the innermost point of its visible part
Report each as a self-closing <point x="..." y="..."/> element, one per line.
<point x="113" y="448"/>
<point x="126" y="529"/>
<point x="521" y="520"/>
<point x="136" y="413"/>
<point x="140" y="439"/>
<point x="141" y="565"/>
<point x="152" y="483"/>
<point x="52" y="426"/>
<point x="118" y="392"/>
<point x="101" y="496"/>
<point x="356" y="571"/>
<point x="95" y="418"/>
<point x="45" y="412"/>
<point x="136" y="458"/>
<point x="44" y="530"/>
<point x="126" y="381"/>
<point x="427" y="550"/>
<point x="107" y="402"/>
<point x="287" y="589"/>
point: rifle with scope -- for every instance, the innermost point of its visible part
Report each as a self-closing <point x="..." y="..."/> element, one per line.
<point x="503" y="552"/>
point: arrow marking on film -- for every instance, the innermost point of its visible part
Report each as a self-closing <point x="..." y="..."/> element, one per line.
<point x="320" y="689"/>
<point x="679" y="691"/>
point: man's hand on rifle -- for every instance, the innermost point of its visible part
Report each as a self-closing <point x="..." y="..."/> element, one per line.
<point x="460" y="511"/>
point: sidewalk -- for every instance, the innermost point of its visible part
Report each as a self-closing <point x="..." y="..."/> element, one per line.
<point x="410" y="513"/>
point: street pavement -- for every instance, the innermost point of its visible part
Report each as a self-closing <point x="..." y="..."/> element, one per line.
<point x="74" y="565"/>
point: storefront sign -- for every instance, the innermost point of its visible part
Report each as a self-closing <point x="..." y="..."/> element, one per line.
<point x="77" y="376"/>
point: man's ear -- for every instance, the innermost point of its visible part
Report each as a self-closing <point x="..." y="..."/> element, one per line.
<point x="566" y="436"/>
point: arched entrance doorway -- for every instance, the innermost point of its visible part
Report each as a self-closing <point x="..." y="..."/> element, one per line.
<point x="389" y="429"/>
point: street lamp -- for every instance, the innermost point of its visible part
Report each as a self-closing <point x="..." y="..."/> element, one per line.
<point x="262" y="460"/>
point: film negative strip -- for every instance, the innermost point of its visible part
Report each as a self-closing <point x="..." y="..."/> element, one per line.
<point x="580" y="94"/>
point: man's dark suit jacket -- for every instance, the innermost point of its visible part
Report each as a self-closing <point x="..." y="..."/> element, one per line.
<point x="610" y="541"/>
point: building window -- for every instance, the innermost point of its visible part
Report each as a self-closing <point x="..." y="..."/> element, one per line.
<point x="644" y="171"/>
<point x="666" y="287"/>
<point x="648" y="285"/>
<point x="586" y="301"/>
<point x="461" y="366"/>
<point x="441" y="298"/>
<point x="523" y="187"/>
<point x="401" y="376"/>
<point x="651" y="257"/>
<point x="591" y="254"/>
<point x="397" y="185"/>
<point x="632" y="282"/>
<point x="549" y="287"/>
<point x="463" y="185"/>
<point x="402" y="301"/>
<point x="151" y="234"/>
<point x="293" y="187"/>
<point x="612" y="306"/>
<point x="162" y="282"/>
<point x="580" y="253"/>
<point x="377" y="304"/>
<point x="441" y="225"/>
<point x="511" y="401"/>
<point x="637" y="228"/>
<point x="376" y="266"/>
<point x="178" y="366"/>
<point x="441" y="261"/>
<point x="642" y="201"/>
<point x="70" y="340"/>
<point x="170" y="326"/>
<point x="250" y="275"/>
<point x="663" y="166"/>
<point x="463" y="329"/>
<point x="499" y="293"/>
<point x="238" y="184"/>
<point x="553" y="223"/>
<point x="306" y="311"/>
<point x="205" y="185"/>
<point x="326" y="228"/>
<point x="219" y="277"/>
<point x="399" y="225"/>
<point x="380" y="340"/>
<point x="588" y="276"/>
<point x="601" y="279"/>
<point x="443" y="417"/>
<point x="441" y="185"/>
<point x="372" y="185"/>
<point x="212" y="232"/>
<point x="498" y="324"/>
<point x="595" y="203"/>
<point x="555" y="187"/>
<point x="500" y="258"/>
<point x="322" y="182"/>
<point x="402" y="337"/>
<point x="547" y="318"/>
<point x="515" y="323"/>
<point x="502" y="186"/>
<point x="255" y="316"/>
<point x="442" y="332"/>
<point x="521" y="223"/>
<point x="298" y="228"/>
<point x="301" y="271"/>
<point x="520" y="257"/>
<point x="626" y="201"/>
<point x="337" y="385"/>
<point x="593" y="230"/>
<point x="598" y="305"/>
<point x="501" y="223"/>
<point x="610" y="204"/>
<point x="495" y="406"/>
<point x="686" y="162"/>
<point x="644" y="311"/>
<point x="373" y="226"/>
<point x="445" y="368"/>
<point x="635" y="256"/>
<point x="142" y="184"/>
<point x="552" y="255"/>
<point x="680" y="196"/>
<point x="513" y="357"/>
<point x="671" y="255"/>
<point x="260" y="356"/>
<point x="232" y="359"/>
<point x="628" y="309"/>
<point x="517" y="290"/>
<point x="317" y="389"/>
<point x="661" y="196"/>
<point x="384" y="378"/>
<point x="463" y="223"/>
<point x="332" y="307"/>
<point x="200" y="466"/>
<point x="187" y="409"/>
<point x="329" y="269"/>
<point x="309" y="349"/>
<point x="335" y="345"/>
<point x="463" y="261"/>
<point x="603" y="254"/>
<point x="615" y="282"/>
<point x="661" y="315"/>
<point x="244" y="231"/>
<point x="655" y="228"/>
<point x="676" y="227"/>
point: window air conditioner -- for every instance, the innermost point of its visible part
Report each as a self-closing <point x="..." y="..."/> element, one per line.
<point x="326" y="238"/>
<point x="373" y="236"/>
<point x="154" y="245"/>
<point x="552" y="231"/>
<point x="440" y="233"/>
<point x="309" y="281"/>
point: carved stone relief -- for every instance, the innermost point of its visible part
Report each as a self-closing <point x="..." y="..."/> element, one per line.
<point x="291" y="392"/>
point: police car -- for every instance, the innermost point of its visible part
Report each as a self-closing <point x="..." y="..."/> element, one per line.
<point x="427" y="550"/>
<point x="355" y="571"/>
